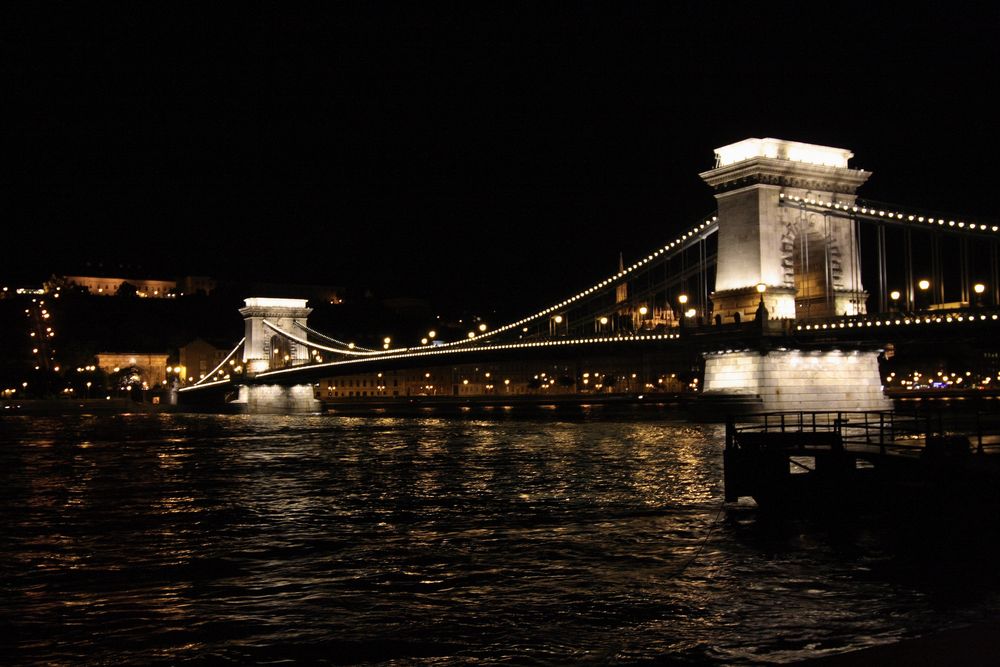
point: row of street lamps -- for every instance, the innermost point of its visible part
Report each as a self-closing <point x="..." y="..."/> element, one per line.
<point x="923" y="285"/>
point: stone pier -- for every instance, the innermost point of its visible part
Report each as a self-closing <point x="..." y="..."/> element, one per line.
<point x="267" y="349"/>
<point x="793" y="380"/>
<point x="271" y="399"/>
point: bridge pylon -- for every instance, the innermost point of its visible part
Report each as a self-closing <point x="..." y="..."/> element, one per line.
<point x="807" y="261"/>
<point x="796" y="264"/>
<point x="265" y="349"/>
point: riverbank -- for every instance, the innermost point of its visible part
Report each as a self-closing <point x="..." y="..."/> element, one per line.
<point x="466" y="404"/>
<point x="58" y="406"/>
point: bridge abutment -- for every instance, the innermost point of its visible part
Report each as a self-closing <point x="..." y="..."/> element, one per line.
<point x="270" y="399"/>
<point x="793" y="380"/>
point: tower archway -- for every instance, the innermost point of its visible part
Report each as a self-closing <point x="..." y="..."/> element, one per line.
<point x="811" y="257"/>
<point x="281" y="351"/>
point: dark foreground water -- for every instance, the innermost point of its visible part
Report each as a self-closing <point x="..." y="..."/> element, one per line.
<point x="180" y="538"/>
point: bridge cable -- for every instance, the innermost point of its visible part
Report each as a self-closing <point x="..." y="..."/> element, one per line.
<point x="205" y="378"/>
<point x="331" y="339"/>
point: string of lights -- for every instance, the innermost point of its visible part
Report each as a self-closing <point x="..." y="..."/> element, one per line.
<point x="479" y="348"/>
<point x="222" y="363"/>
<point x="679" y="244"/>
<point x="348" y="346"/>
<point x="859" y="323"/>
<point x="862" y="210"/>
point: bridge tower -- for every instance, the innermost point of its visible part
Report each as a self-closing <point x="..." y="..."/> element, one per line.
<point x="807" y="261"/>
<point x="807" y="264"/>
<point x="264" y="349"/>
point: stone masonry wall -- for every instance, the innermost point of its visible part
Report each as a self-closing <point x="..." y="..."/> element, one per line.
<point x="800" y="380"/>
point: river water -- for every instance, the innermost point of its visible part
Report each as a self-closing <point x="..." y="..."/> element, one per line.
<point x="541" y="539"/>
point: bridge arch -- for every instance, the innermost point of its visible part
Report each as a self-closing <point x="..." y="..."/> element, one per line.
<point x="811" y="260"/>
<point x="280" y="351"/>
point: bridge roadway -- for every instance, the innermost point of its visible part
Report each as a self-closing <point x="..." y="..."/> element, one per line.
<point x="860" y="332"/>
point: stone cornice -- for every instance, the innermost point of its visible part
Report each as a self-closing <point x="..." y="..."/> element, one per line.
<point x="771" y="171"/>
<point x="263" y="311"/>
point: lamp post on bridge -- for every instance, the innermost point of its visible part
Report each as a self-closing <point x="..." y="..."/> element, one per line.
<point x="979" y="289"/>
<point x="924" y="285"/>
<point x="761" y="314"/>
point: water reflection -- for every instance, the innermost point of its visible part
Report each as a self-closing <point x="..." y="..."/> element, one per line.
<point x="428" y="539"/>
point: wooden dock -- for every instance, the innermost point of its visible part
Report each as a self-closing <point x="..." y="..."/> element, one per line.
<point x="804" y="460"/>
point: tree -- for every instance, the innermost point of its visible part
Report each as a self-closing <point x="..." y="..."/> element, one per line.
<point x="126" y="289"/>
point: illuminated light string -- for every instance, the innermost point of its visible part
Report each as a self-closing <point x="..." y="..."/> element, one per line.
<point x="221" y="364"/>
<point x="891" y="215"/>
<point x="480" y="348"/>
<point x="937" y="319"/>
<point x="201" y="384"/>
<point x="308" y="343"/>
<point x="334" y="340"/>
<point x="703" y="229"/>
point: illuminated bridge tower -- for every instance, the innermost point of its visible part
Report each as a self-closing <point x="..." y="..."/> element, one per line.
<point x="806" y="262"/>
<point x="264" y="349"/>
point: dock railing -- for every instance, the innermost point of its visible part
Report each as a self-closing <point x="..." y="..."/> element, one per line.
<point x="884" y="431"/>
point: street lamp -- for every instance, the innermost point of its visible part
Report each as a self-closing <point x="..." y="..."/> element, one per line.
<point x="894" y="295"/>
<point x="761" y="308"/>
<point x="979" y="289"/>
<point x="923" y="284"/>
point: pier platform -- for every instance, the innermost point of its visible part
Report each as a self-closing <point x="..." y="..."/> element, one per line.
<point x="812" y="460"/>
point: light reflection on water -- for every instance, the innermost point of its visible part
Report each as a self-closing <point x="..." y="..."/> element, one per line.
<point x="174" y="538"/>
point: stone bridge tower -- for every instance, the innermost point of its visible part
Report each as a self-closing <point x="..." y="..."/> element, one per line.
<point x="808" y="264"/>
<point x="264" y="349"/>
<point x="807" y="261"/>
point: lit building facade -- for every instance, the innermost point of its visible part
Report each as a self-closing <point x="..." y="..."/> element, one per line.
<point x="108" y="286"/>
<point x="198" y="358"/>
<point x="151" y="368"/>
<point x="580" y="378"/>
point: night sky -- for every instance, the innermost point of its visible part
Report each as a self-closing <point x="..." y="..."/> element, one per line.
<point x="493" y="159"/>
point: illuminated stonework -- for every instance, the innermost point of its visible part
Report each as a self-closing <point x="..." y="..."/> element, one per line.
<point x="277" y="399"/>
<point x="799" y="380"/>
<point x="807" y="259"/>
<point x="263" y="348"/>
<point x="779" y="149"/>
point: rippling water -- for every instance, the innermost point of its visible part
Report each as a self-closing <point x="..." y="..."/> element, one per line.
<point x="184" y="538"/>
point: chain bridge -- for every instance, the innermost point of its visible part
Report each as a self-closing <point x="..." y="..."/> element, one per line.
<point x="788" y="293"/>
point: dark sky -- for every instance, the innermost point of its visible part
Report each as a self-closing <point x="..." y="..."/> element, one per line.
<point x="476" y="157"/>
